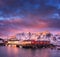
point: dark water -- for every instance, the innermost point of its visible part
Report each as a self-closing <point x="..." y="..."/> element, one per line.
<point x="20" y="52"/>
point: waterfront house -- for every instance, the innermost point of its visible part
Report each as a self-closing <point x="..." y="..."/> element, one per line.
<point x="13" y="42"/>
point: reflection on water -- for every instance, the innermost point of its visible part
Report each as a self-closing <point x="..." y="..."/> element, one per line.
<point x="20" y="52"/>
<point x="12" y="50"/>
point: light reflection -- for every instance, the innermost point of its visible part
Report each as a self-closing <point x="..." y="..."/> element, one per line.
<point x="12" y="46"/>
<point x="43" y="53"/>
<point x="12" y="50"/>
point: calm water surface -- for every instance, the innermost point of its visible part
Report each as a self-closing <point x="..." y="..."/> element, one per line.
<point x="20" y="52"/>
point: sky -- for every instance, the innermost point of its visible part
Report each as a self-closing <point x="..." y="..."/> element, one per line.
<point x="29" y="16"/>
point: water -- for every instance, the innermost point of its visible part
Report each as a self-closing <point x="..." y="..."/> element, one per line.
<point x="20" y="52"/>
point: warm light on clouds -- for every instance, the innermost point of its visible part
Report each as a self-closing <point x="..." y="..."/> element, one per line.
<point x="29" y="16"/>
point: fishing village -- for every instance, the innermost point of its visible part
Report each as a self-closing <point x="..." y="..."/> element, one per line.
<point x="32" y="40"/>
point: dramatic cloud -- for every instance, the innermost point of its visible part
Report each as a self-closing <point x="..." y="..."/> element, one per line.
<point x="28" y="15"/>
<point x="10" y="8"/>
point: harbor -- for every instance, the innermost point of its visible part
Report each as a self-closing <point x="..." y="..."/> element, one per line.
<point x="29" y="40"/>
<point x="29" y="28"/>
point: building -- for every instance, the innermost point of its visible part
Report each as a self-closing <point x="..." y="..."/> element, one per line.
<point x="12" y="42"/>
